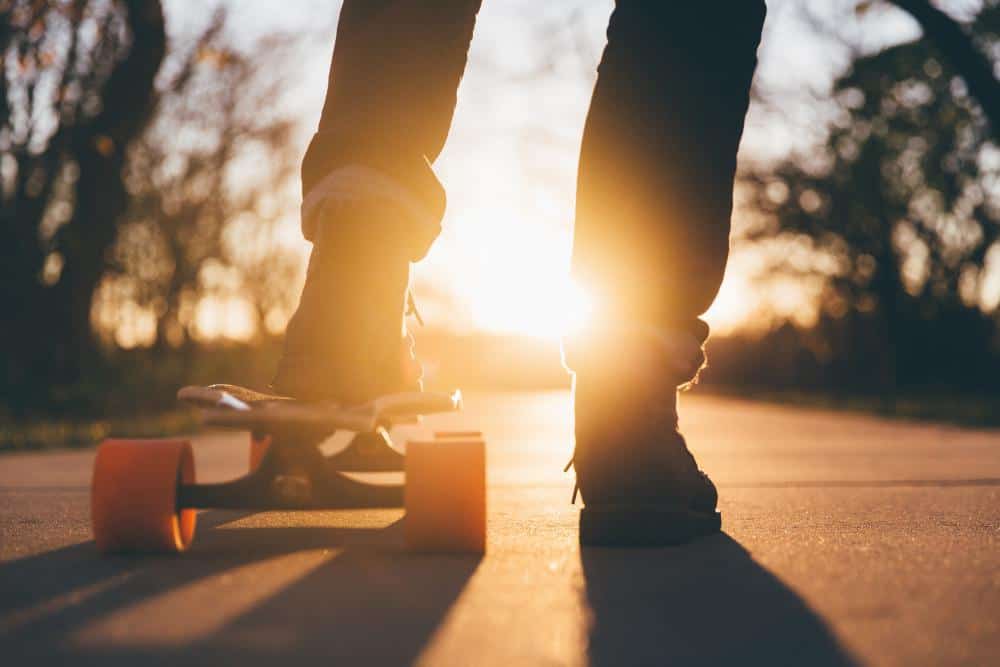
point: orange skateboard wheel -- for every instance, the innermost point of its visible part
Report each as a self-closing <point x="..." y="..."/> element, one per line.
<point x="258" y="448"/>
<point x="133" y="496"/>
<point x="445" y="495"/>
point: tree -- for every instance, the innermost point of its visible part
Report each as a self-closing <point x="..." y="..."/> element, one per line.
<point x="78" y="88"/>
<point x="959" y="48"/>
<point x="207" y="183"/>
<point x="900" y="211"/>
<point x="137" y="184"/>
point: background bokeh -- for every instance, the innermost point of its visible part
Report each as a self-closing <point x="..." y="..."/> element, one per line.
<point x="149" y="165"/>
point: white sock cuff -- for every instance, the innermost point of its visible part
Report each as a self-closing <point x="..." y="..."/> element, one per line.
<point x="359" y="182"/>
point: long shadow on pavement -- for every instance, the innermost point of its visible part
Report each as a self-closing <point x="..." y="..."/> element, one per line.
<point x="706" y="603"/>
<point x="369" y="601"/>
<point x="48" y="587"/>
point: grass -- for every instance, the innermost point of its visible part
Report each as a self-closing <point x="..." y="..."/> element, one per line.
<point x="952" y="408"/>
<point x="43" y="434"/>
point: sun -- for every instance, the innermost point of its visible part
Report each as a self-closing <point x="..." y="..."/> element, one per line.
<point x="513" y="278"/>
<point x="731" y="308"/>
<point x="532" y="304"/>
<point x="510" y="277"/>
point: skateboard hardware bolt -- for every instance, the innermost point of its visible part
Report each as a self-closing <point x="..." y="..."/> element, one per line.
<point x="292" y="489"/>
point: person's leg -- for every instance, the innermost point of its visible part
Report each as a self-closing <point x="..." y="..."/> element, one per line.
<point x="654" y="201"/>
<point x="371" y="203"/>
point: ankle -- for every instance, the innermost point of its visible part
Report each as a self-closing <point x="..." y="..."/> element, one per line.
<point x="636" y="355"/>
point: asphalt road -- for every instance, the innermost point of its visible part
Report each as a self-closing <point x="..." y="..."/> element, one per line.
<point x="847" y="540"/>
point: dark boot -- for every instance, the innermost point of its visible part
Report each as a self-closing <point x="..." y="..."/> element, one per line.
<point x="347" y="340"/>
<point x="639" y="482"/>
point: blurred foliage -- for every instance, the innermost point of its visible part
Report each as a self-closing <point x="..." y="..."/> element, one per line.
<point x="208" y="182"/>
<point x="132" y="394"/>
<point x="78" y="88"/>
<point x="131" y="174"/>
<point x="142" y="183"/>
<point x="897" y="217"/>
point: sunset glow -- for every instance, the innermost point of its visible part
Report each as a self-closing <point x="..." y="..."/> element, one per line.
<point x="501" y="264"/>
<point x="541" y="306"/>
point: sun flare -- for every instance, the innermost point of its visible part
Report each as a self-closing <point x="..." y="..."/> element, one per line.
<point x="507" y="274"/>
<point x="532" y="305"/>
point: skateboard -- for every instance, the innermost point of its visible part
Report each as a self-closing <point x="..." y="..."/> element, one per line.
<point x="144" y="496"/>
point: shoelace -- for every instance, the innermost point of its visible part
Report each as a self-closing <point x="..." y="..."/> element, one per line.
<point x="411" y="308"/>
<point x="576" y="482"/>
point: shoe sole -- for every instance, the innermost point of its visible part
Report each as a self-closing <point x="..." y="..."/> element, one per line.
<point x="644" y="526"/>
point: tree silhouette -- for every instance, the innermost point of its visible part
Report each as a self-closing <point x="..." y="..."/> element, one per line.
<point x="78" y="88"/>
<point x="132" y="179"/>
<point x="900" y="211"/>
<point x="959" y="48"/>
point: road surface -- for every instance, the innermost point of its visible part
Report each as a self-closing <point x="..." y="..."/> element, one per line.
<point x="847" y="540"/>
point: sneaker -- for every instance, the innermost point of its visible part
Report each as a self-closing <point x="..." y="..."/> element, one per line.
<point x="639" y="482"/>
<point x="347" y="341"/>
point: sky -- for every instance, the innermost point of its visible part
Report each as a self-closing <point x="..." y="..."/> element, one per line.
<point x="509" y="166"/>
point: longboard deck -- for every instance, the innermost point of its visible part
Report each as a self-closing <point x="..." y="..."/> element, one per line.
<point x="233" y="406"/>
<point x="197" y="394"/>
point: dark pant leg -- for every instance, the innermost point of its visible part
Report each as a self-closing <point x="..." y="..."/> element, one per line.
<point x="392" y="89"/>
<point x="658" y="158"/>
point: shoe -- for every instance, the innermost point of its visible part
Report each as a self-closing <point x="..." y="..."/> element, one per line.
<point x="639" y="482"/>
<point x="347" y="341"/>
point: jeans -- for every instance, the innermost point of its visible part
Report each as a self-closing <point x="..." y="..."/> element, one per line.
<point x="658" y="157"/>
